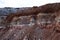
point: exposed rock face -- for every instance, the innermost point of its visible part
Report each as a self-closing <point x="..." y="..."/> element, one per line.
<point x="46" y="24"/>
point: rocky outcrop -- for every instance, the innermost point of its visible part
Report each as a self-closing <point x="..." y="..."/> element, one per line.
<point x="47" y="30"/>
